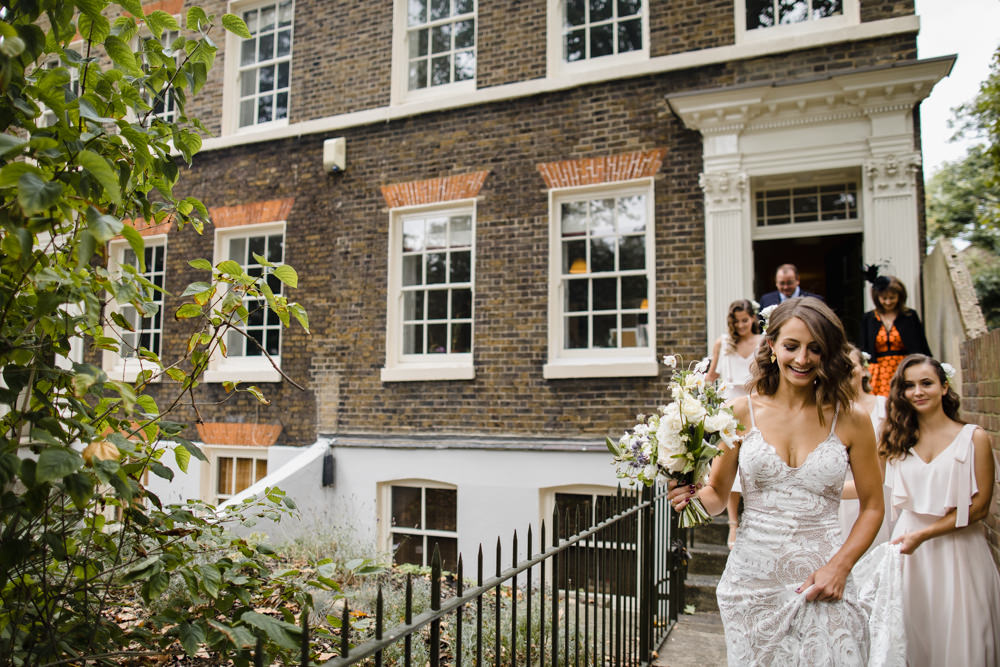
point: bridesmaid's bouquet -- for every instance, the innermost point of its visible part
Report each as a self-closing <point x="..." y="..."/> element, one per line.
<point x="680" y="439"/>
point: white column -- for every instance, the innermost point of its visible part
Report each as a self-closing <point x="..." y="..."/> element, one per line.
<point x="891" y="225"/>
<point x="728" y="253"/>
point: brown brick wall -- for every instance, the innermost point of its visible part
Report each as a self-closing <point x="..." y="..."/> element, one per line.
<point x="981" y="405"/>
<point x="510" y="44"/>
<point x="689" y="25"/>
<point x="876" y="10"/>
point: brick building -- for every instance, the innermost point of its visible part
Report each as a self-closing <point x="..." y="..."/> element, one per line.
<point x="537" y="198"/>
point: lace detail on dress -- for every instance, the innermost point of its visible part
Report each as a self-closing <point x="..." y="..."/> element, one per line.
<point x="788" y="531"/>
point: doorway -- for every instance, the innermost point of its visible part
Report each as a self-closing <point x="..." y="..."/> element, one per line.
<point x="828" y="265"/>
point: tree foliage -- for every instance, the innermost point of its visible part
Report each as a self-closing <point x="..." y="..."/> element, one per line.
<point x="81" y="156"/>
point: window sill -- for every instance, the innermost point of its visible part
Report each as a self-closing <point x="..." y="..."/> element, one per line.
<point x="129" y="372"/>
<point x="600" y="368"/>
<point x="428" y="372"/>
<point x="223" y="374"/>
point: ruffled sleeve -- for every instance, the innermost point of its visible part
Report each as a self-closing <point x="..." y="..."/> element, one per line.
<point x="961" y="483"/>
<point x="899" y="494"/>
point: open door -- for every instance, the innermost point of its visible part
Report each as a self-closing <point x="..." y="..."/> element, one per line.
<point x="828" y="265"/>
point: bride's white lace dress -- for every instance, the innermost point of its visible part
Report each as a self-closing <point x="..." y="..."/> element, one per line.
<point x="790" y="529"/>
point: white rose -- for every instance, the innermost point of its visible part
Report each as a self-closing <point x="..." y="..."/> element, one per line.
<point x="717" y="422"/>
<point x="672" y="419"/>
<point x="671" y="453"/>
<point x="692" y="408"/>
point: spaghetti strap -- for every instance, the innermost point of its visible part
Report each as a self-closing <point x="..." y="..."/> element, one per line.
<point x="833" y="426"/>
<point x="753" y="424"/>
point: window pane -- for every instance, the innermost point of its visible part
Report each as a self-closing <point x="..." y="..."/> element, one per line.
<point x="440" y="9"/>
<point x="632" y="253"/>
<point x="441" y="509"/>
<point x="629" y="36"/>
<point x="418" y="43"/>
<point x="264" y="106"/>
<point x="261" y="471"/>
<point x="447" y="549"/>
<point x="605" y="331"/>
<point x="576" y="12"/>
<point x="437" y="304"/>
<point x="602" y="254"/>
<point x="575" y="257"/>
<point x="605" y="294"/>
<point x="441" y="38"/>
<point x="465" y="34"/>
<point x="600" y="10"/>
<point x="463" y="6"/>
<point x="437" y="233"/>
<point x="248" y="52"/>
<point x="413" y="339"/>
<point x="465" y="65"/>
<point x="760" y="14"/>
<point x="417" y="12"/>
<point x="234" y="343"/>
<point x="418" y="74"/>
<point x="633" y="291"/>
<point x="629" y="7"/>
<point x="461" y="304"/>
<point x="407" y="549"/>
<point x="265" y="48"/>
<point x="267" y="18"/>
<point x="247" y="108"/>
<point x="441" y="70"/>
<point x="437" y="339"/>
<point x="413" y="235"/>
<point x="273" y="342"/>
<point x="435" y="267"/>
<point x="284" y="43"/>
<point x="576" y="295"/>
<point x="413" y="305"/>
<point x="461" y="338"/>
<point x="285" y="13"/>
<point x="255" y="345"/>
<point x="225" y="476"/>
<point x="460" y="270"/>
<point x="576" y="332"/>
<point x="575" y="47"/>
<point x="792" y="11"/>
<point x="461" y="231"/>
<point x="574" y="218"/>
<point x="412" y="274"/>
<point x="570" y="506"/>
<point x="406" y="506"/>
<point x="602" y="219"/>
<point x="275" y="248"/>
<point x="824" y="8"/>
<point x="244" y="473"/>
<point x="806" y="205"/>
<point x="602" y="40"/>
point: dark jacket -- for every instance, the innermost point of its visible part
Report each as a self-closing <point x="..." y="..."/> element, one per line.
<point x="911" y="332"/>
<point x="774" y="298"/>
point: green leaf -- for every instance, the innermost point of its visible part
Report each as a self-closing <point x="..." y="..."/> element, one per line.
<point x="141" y="570"/>
<point x="612" y="445"/>
<point x="12" y="46"/>
<point x="196" y="288"/>
<point x="239" y="635"/>
<point x="35" y="194"/>
<point x="137" y="244"/>
<point x="211" y="579"/>
<point x="195" y="450"/>
<point x="155" y="586"/>
<point x="192" y="636"/>
<point x="102" y="171"/>
<point x="187" y="311"/>
<point x="287" y="275"/>
<point x="230" y="268"/>
<point x="94" y="28"/>
<point x="196" y="18"/>
<point x="10" y="143"/>
<point x="258" y="394"/>
<point x="183" y="457"/>
<point x="300" y="314"/>
<point x="56" y="463"/>
<point x="280" y="632"/>
<point x="104" y="227"/>
<point x="200" y="263"/>
<point x="80" y="488"/>
<point x="12" y="173"/>
<point x="121" y="54"/>
<point x="133" y="7"/>
<point x="235" y="25"/>
<point x="161" y="470"/>
<point x="260" y="259"/>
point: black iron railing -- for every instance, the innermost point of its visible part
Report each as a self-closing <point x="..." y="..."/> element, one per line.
<point x="607" y="594"/>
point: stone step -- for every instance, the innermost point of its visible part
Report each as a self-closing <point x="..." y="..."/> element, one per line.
<point x="715" y="532"/>
<point x="699" y="590"/>
<point x="707" y="559"/>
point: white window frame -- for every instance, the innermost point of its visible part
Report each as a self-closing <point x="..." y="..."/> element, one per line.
<point x="243" y="368"/>
<point x="48" y="117"/>
<point x="558" y="66"/>
<point x="400" y="92"/>
<point x="117" y="367"/>
<point x="851" y="16"/>
<point x="599" y="362"/>
<point x="383" y="502"/>
<point x="853" y="225"/>
<point x="231" y="91"/>
<point x="170" y="112"/>
<point x="210" y="479"/>
<point x="401" y="367"/>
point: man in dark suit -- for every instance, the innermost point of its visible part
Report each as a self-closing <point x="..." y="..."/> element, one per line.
<point x="786" y="279"/>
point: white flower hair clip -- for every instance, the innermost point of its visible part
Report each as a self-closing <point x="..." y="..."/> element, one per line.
<point x="865" y="359"/>
<point x="756" y="306"/>
<point x="949" y="372"/>
<point x="765" y="316"/>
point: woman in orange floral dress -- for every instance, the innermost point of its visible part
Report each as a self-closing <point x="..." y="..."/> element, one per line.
<point x="890" y="332"/>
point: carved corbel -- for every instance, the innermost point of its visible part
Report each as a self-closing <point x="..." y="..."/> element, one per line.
<point x="723" y="190"/>
<point x="892" y="174"/>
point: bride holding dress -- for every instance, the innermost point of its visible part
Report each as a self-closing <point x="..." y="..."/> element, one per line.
<point x="787" y="596"/>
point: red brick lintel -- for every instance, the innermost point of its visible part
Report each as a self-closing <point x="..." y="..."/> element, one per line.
<point x="434" y="190"/>
<point x="243" y="435"/>
<point x="272" y="210"/>
<point x="595" y="170"/>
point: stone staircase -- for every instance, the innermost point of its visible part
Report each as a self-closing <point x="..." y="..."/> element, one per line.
<point x="708" y="550"/>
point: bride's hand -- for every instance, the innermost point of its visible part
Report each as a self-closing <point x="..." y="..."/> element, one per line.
<point x="908" y="543"/>
<point x="681" y="494"/>
<point x="827" y="584"/>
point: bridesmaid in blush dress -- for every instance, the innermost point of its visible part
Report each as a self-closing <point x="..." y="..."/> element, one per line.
<point x="941" y="473"/>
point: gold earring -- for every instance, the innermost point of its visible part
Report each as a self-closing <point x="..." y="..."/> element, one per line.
<point x="773" y="357"/>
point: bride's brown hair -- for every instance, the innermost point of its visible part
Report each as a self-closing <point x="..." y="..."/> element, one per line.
<point x="833" y="376"/>
<point x="901" y="430"/>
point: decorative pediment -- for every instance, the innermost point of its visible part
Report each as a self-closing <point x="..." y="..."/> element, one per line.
<point x="835" y="96"/>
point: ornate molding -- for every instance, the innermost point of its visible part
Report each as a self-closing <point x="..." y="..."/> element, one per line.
<point x="723" y="190"/>
<point x="892" y="174"/>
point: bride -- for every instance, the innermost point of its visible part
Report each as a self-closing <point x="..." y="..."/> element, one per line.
<point x="786" y="596"/>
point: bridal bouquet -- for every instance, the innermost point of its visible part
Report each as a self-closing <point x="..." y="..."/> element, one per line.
<point x="680" y="440"/>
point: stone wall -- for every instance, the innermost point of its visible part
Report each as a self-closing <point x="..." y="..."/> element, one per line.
<point x="981" y="405"/>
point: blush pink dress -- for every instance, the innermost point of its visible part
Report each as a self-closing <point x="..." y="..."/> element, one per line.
<point x="951" y="587"/>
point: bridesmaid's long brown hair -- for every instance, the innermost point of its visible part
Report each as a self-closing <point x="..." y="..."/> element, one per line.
<point x="901" y="430"/>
